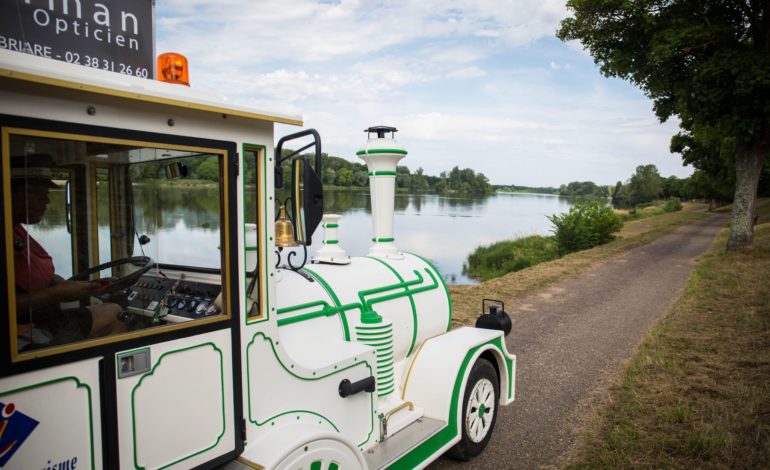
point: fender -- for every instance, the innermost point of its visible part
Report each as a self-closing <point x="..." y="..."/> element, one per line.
<point x="430" y="383"/>
<point x="272" y="449"/>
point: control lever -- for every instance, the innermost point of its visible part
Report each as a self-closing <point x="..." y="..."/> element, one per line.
<point x="348" y="388"/>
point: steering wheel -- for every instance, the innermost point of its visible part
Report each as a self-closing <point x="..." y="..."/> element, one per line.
<point x="113" y="285"/>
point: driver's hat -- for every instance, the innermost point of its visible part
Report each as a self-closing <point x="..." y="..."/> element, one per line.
<point x="33" y="166"/>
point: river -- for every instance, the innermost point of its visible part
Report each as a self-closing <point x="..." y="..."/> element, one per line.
<point x="184" y="227"/>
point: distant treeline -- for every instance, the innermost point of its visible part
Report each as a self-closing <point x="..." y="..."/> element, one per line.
<point x="336" y="171"/>
<point x="646" y="185"/>
<point x="584" y="189"/>
<point x="526" y="189"/>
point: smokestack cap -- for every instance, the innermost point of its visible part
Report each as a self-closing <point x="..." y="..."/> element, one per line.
<point x="381" y="131"/>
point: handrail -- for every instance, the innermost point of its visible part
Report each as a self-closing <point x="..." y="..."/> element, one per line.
<point x="397" y="285"/>
<point x="365" y="306"/>
<point x="397" y="295"/>
<point x="326" y="311"/>
<point x="385" y="417"/>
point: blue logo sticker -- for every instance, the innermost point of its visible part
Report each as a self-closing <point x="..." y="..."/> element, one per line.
<point x="15" y="428"/>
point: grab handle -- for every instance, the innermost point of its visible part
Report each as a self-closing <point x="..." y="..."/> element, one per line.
<point x="348" y="388"/>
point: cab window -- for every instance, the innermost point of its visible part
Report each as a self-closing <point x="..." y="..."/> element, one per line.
<point x="134" y="246"/>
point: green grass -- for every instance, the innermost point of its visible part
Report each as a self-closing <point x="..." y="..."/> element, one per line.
<point x="697" y="393"/>
<point x="489" y="262"/>
<point x="651" y="209"/>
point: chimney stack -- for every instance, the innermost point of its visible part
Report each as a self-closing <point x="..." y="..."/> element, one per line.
<point x="382" y="155"/>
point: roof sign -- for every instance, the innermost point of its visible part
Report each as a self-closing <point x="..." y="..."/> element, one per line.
<point x="112" y="35"/>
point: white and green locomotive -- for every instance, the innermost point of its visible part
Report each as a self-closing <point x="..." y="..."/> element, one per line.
<point x="222" y="349"/>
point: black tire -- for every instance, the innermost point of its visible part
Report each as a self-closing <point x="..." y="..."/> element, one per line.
<point x="478" y="421"/>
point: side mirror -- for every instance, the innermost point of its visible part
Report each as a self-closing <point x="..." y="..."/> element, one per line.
<point x="176" y="170"/>
<point x="307" y="198"/>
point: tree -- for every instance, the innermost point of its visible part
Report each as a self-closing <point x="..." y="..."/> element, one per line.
<point x="645" y="184"/>
<point x="705" y="61"/>
<point x="209" y="169"/>
<point x="344" y="177"/>
<point x="620" y="196"/>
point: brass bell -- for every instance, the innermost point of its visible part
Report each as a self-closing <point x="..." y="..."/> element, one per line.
<point x="284" y="230"/>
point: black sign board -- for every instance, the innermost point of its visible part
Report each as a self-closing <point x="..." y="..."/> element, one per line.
<point x="116" y="35"/>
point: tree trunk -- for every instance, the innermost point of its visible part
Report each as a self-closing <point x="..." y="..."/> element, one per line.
<point x="748" y="167"/>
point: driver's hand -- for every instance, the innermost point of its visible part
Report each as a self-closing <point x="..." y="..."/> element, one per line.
<point x="66" y="291"/>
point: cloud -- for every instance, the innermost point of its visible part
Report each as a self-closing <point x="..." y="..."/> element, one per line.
<point x="472" y="83"/>
<point x="307" y="31"/>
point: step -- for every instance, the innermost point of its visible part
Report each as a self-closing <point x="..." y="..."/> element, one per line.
<point x="400" y="443"/>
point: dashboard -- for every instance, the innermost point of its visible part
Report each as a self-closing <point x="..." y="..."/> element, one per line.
<point x="173" y="300"/>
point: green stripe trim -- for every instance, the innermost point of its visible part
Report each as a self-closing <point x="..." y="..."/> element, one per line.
<point x="382" y="173"/>
<point x="383" y="240"/>
<point x="337" y="303"/>
<point x="251" y="248"/>
<point x="375" y="334"/>
<point x="374" y="151"/>
<point x="446" y="289"/>
<point x="331" y="242"/>
<point x="411" y="302"/>
<point x="331" y="226"/>
<point x="368" y="342"/>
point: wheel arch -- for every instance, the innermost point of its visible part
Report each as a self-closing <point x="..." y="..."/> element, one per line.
<point x="273" y="448"/>
<point x="437" y="377"/>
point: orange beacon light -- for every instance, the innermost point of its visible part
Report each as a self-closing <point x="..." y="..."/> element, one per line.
<point x="172" y="68"/>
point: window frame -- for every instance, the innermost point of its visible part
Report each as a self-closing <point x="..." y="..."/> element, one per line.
<point x="31" y="127"/>
<point x="260" y="167"/>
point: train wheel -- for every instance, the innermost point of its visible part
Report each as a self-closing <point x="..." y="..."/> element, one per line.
<point x="479" y="411"/>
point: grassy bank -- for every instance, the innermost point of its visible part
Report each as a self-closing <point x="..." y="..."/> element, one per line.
<point x="466" y="299"/>
<point x="650" y="210"/>
<point x="498" y="259"/>
<point x="697" y="393"/>
<point x="586" y="225"/>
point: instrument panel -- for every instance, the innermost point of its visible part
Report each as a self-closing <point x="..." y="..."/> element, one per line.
<point x="173" y="300"/>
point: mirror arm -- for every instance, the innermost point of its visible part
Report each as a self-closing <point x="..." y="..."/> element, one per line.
<point x="316" y="143"/>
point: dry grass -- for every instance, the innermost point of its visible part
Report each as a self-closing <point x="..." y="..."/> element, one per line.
<point x="697" y="393"/>
<point x="466" y="299"/>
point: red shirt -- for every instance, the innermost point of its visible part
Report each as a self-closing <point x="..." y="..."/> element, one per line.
<point x="33" y="265"/>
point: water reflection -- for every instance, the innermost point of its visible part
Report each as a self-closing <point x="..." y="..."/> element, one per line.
<point x="186" y="222"/>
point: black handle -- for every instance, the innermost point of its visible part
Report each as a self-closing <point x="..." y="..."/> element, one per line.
<point x="348" y="388"/>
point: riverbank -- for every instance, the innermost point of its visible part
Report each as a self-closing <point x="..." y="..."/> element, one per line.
<point x="466" y="299"/>
<point x="697" y="392"/>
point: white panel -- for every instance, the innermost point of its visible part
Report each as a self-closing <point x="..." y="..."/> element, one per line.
<point x="179" y="412"/>
<point x="64" y="402"/>
<point x="284" y="391"/>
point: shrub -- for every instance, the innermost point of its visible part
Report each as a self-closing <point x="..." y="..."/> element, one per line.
<point x="587" y="224"/>
<point x="672" y="205"/>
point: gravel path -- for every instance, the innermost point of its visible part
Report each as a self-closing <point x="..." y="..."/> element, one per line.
<point x="571" y="342"/>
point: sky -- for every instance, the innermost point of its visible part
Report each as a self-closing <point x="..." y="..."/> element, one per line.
<point x="480" y="84"/>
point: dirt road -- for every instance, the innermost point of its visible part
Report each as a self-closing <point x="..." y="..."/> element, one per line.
<point x="572" y="339"/>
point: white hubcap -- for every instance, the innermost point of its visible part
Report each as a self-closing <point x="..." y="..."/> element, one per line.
<point x="480" y="411"/>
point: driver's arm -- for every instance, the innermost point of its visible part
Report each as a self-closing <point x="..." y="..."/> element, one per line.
<point x="59" y="291"/>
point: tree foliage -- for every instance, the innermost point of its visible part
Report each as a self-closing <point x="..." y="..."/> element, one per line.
<point x="584" y="189"/>
<point x="705" y="61"/>
<point x="645" y="186"/>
